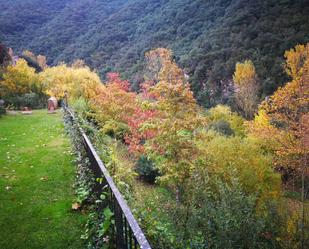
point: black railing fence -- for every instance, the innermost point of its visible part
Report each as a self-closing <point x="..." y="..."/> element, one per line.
<point x="126" y="231"/>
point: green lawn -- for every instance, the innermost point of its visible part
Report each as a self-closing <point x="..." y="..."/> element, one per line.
<point x="36" y="177"/>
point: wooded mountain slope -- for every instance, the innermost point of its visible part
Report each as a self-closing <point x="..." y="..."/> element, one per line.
<point x="207" y="37"/>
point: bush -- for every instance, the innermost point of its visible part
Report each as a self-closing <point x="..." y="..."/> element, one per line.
<point x="225" y="156"/>
<point x="2" y="110"/>
<point x="223" y="127"/>
<point x="31" y="100"/>
<point x="226" y="122"/>
<point x="80" y="106"/>
<point x="115" y="129"/>
<point x="146" y="169"/>
<point x="227" y="219"/>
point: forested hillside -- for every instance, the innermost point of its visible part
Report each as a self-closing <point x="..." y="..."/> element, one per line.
<point x="207" y="37"/>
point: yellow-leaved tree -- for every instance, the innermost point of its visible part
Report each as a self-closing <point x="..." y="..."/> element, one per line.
<point x="247" y="87"/>
<point x="282" y="121"/>
<point x="79" y="82"/>
<point x="282" y="126"/>
<point x="19" y="79"/>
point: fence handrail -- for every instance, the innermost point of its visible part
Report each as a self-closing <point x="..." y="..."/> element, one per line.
<point x="137" y="231"/>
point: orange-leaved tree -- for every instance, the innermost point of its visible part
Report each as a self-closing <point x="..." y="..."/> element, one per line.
<point x="283" y="120"/>
<point x="113" y="105"/>
<point x="136" y="136"/>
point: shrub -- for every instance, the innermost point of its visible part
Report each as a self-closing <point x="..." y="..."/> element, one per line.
<point x="115" y="129"/>
<point x="32" y="100"/>
<point x="146" y="169"/>
<point x="223" y="127"/>
<point x="80" y="106"/>
<point x="220" y="116"/>
<point x="2" y="110"/>
<point x="225" y="156"/>
<point x="227" y="219"/>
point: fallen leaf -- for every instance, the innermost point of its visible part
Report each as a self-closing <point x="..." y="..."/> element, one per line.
<point x="106" y="239"/>
<point x="75" y="206"/>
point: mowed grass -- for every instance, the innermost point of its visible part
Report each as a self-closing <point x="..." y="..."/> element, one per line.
<point x="36" y="177"/>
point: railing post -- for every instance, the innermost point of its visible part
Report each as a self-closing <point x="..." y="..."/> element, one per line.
<point x="120" y="244"/>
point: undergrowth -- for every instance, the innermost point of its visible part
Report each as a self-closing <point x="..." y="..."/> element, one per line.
<point x="98" y="229"/>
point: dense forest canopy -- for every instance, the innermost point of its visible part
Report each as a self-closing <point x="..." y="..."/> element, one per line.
<point x="207" y="37"/>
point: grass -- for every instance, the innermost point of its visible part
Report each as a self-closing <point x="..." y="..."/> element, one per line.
<point x="36" y="177"/>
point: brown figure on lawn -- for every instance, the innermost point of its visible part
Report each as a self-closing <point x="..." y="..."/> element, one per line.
<point x="26" y="110"/>
<point x="52" y="105"/>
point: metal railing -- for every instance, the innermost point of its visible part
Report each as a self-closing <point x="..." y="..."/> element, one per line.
<point x="127" y="233"/>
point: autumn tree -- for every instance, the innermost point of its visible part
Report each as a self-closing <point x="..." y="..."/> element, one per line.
<point x="56" y="80"/>
<point x="136" y="136"/>
<point x="79" y="82"/>
<point x="246" y="92"/>
<point x="38" y="62"/>
<point x="19" y="79"/>
<point x="175" y="125"/>
<point x="42" y="61"/>
<point x="113" y="105"/>
<point x="155" y="61"/>
<point x="283" y="119"/>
